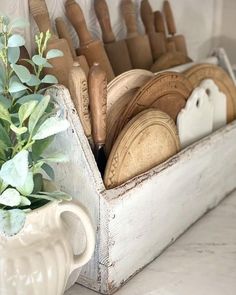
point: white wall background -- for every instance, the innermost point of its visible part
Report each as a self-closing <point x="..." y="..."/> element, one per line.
<point x="205" y="24"/>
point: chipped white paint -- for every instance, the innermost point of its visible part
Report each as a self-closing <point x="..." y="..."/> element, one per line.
<point x="202" y="261"/>
<point x="195" y="120"/>
<point x="219" y="102"/>
<point x="138" y="220"/>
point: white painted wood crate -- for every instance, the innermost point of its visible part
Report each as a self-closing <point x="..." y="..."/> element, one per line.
<point x="138" y="220"/>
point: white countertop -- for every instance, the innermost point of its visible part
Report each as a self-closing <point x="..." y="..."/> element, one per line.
<point x="201" y="262"/>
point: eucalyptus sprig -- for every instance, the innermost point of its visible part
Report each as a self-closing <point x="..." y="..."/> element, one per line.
<point x="28" y="123"/>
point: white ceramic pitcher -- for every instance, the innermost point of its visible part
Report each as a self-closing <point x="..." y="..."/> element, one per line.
<point x="39" y="260"/>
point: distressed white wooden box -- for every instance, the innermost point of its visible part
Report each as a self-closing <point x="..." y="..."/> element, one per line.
<point x="138" y="220"/>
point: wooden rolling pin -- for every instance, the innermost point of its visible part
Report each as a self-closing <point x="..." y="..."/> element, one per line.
<point x="78" y="88"/>
<point x="92" y="49"/>
<point x="160" y="28"/>
<point x="178" y="39"/>
<point x="64" y="33"/>
<point x="157" y="40"/>
<point x="61" y="65"/>
<point x="138" y="45"/>
<point x="98" y="106"/>
<point x="117" y="51"/>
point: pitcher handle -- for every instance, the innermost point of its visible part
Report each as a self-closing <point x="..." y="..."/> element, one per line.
<point x="77" y="210"/>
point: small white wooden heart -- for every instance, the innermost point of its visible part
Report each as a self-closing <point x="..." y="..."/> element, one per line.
<point x="196" y="120"/>
<point x="219" y="102"/>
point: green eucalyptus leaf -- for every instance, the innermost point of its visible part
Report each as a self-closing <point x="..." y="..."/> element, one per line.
<point x="4" y="136"/>
<point x="13" y="54"/>
<point x="11" y="221"/>
<point x="30" y="97"/>
<point x="38" y="183"/>
<point x="15" y="171"/>
<point x="56" y="157"/>
<point x="5" y="102"/>
<point x="51" y="127"/>
<point x="22" y="72"/>
<point x="48" y="170"/>
<point x="4" y="114"/>
<point x="3" y="145"/>
<point x="18" y="130"/>
<point x="16" y="40"/>
<point x="41" y="145"/>
<point x="34" y="81"/>
<point x="38" y="112"/>
<point x="16" y="87"/>
<point x="19" y="23"/>
<point x="24" y="202"/>
<point x="10" y="197"/>
<point x="57" y="195"/>
<point x="49" y="79"/>
<point x="41" y="196"/>
<point x="39" y="60"/>
<point x="26" y="110"/>
<point x="54" y="53"/>
<point x="3" y="186"/>
<point x="2" y="73"/>
<point x="27" y="188"/>
<point x="48" y="65"/>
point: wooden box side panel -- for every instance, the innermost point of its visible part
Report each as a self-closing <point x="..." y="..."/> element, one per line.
<point x="159" y="206"/>
<point x="80" y="178"/>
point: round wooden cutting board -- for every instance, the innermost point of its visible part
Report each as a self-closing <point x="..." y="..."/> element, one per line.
<point x="167" y="92"/>
<point x="125" y="82"/>
<point x="200" y="72"/>
<point x="121" y="91"/>
<point x="149" y="139"/>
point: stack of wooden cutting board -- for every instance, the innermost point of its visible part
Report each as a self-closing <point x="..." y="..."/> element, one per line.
<point x="149" y="124"/>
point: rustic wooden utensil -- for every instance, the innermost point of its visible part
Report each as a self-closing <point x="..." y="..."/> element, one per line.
<point x="171" y="57"/>
<point x="147" y="140"/>
<point x="119" y="93"/>
<point x="138" y="45"/>
<point x="64" y="33"/>
<point x="92" y="49"/>
<point x="178" y="39"/>
<point x="200" y="72"/>
<point x="78" y="88"/>
<point x="157" y="40"/>
<point x="167" y="92"/>
<point x="61" y="65"/>
<point x="160" y="28"/>
<point x="98" y="105"/>
<point x="117" y="51"/>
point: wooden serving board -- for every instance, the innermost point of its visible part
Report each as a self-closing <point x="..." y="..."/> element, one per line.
<point x="195" y="121"/>
<point x="120" y="92"/>
<point x="201" y="72"/>
<point x="167" y="91"/>
<point x="219" y="102"/>
<point x="149" y="139"/>
<point x="125" y="82"/>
